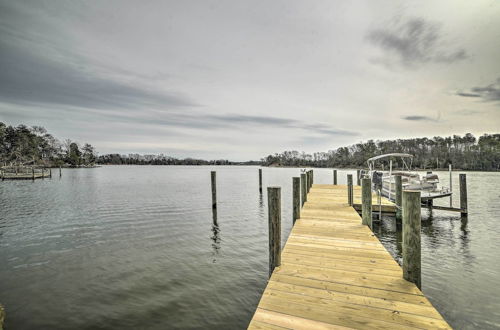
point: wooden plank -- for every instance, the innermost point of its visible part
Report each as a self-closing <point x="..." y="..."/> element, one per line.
<point x="348" y="298"/>
<point x="353" y="289"/>
<point x="392" y="318"/>
<point x="286" y="321"/>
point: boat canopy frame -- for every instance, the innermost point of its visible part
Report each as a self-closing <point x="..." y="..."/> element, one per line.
<point x="371" y="161"/>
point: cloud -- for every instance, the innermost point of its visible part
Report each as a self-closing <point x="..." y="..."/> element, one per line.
<point x="418" y="118"/>
<point x="29" y="76"/>
<point x="413" y="42"/>
<point x="467" y="112"/>
<point x="490" y="93"/>
<point x="468" y="94"/>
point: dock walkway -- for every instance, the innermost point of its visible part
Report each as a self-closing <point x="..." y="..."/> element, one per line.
<point x="336" y="274"/>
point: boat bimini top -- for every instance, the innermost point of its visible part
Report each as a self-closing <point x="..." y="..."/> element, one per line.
<point x="371" y="161"/>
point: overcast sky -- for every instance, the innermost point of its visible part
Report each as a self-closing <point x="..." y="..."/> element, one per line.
<point x="242" y="79"/>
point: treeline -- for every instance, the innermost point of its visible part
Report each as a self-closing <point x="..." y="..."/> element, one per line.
<point x="464" y="152"/>
<point x="23" y="145"/>
<point x="117" y="159"/>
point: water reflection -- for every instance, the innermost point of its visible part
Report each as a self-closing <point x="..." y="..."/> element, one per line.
<point x="216" y="242"/>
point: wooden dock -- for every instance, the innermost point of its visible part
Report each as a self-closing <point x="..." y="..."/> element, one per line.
<point x="335" y="274"/>
<point x="25" y="174"/>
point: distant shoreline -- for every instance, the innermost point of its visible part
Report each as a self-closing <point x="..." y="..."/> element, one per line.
<point x="286" y="166"/>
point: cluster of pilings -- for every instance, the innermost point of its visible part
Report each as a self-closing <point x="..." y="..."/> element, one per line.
<point x="408" y="205"/>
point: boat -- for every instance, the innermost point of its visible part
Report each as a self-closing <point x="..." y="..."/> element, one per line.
<point x="384" y="181"/>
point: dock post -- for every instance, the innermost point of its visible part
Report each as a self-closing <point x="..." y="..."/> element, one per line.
<point x="358" y="178"/>
<point x="60" y="171"/>
<point x="463" y="195"/>
<point x="274" y="208"/>
<point x="260" y="180"/>
<point x="303" y="179"/>
<point x="366" y="200"/>
<point x="411" y="237"/>
<point x="214" y="189"/>
<point x="451" y="184"/>
<point x="33" y="173"/>
<point x="307" y="181"/>
<point x="296" y="198"/>
<point x="399" y="196"/>
<point x="335" y="177"/>
<point x="349" y="190"/>
<point x="50" y="173"/>
<point x="312" y="178"/>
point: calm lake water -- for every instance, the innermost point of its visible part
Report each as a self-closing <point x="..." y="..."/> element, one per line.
<point x="134" y="247"/>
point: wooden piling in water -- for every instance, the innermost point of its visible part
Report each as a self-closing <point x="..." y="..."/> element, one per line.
<point x="308" y="175"/>
<point x="60" y="171"/>
<point x="33" y="173"/>
<point x="214" y="189"/>
<point x="312" y="178"/>
<point x="358" y="178"/>
<point x="260" y="180"/>
<point x="349" y="190"/>
<point x="463" y="195"/>
<point x="50" y="173"/>
<point x="296" y="198"/>
<point x="335" y="177"/>
<point x="274" y="216"/>
<point x="451" y="184"/>
<point x="366" y="201"/>
<point x="411" y="237"/>
<point x="303" y="183"/>
<point x="399" y="196"/>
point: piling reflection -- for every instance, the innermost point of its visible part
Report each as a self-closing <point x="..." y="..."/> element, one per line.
<point x="215" y="237"/>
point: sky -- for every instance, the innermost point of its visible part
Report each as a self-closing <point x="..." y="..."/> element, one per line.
<point x="243" y="79"/>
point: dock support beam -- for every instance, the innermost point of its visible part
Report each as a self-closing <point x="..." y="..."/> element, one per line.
<point x="451" y="184"/>
<point x="274" y="207"/>
<point x="349" y="190"/>
<point x="335" y="177"/>
<point x="308" y="175"/>
<point x="303" y="184"/>
<point x="366" y="201"/>
<point x="463" y="195"/>
<point x="296" y="198"/>
<point x="260" y="180"/>
<point x="214" y="189"/>
<point x="411" y="237"/>
<point x="399" y="196"/>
